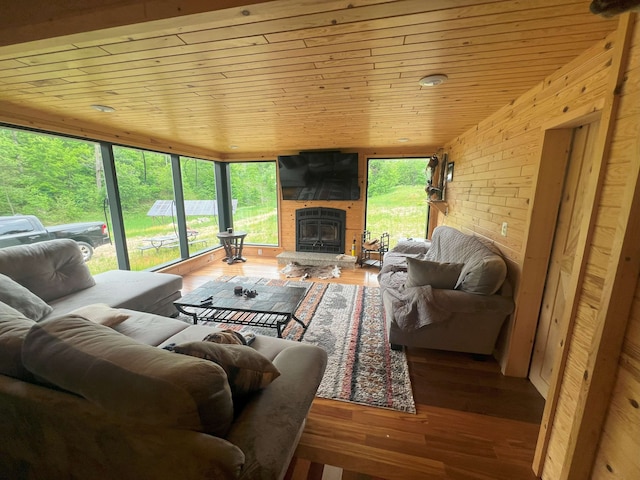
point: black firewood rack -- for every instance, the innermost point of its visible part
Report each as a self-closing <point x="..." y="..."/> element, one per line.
<point x="372" y="250"/>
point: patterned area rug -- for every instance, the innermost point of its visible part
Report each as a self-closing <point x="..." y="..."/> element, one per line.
<point x="346" y="321"/>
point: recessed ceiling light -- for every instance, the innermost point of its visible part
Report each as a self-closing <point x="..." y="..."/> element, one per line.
<point x="103" y="108"/>
<point x="403" y="140"/>
<point x="433" y="80"/>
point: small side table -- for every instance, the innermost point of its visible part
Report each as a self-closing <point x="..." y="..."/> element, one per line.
<point x="232" y="243"/>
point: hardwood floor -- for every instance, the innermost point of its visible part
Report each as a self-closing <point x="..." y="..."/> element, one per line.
<point x="471" y="421"/>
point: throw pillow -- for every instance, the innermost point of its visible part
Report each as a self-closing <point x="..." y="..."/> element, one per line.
<point x="101" y="313"/>
<point x="14" y="327"/>
<point x="20" y="298"/>
<point x="247" y="369"/>
<point x="438" y="275"/>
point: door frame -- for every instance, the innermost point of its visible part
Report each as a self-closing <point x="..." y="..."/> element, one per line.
<point x="549" y="184"/>
<point x="576" y="170"/>
<point x="547" y="192"/>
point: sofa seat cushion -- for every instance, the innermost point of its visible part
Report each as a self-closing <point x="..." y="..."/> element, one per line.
<point x="149" y="328"/>
<point x="123" y="289"/>
<point x="139" y="382"/>
<point x="50" y="269"/>
<point x="20" y="298"/>
<point x="14" y="327"/>
<point x="101" y="313"/>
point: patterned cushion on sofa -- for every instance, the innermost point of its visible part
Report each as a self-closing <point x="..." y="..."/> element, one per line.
<point x="247" y="369"/>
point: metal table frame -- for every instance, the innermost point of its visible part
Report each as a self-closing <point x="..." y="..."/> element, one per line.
<point x="203" y="304"/>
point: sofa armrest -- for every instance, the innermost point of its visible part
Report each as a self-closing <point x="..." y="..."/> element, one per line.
<point x="412" y="246"/>
<point x="269" y="426"/>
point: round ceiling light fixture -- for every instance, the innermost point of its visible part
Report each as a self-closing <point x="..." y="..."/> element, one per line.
<point x="433" y="80"/>
<point x="103" y="108"/>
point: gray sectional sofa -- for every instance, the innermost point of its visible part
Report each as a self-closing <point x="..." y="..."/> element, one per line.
<point x="450" y="293"/>
<point x="116" y="393"/>
<point x="55" y="272"/>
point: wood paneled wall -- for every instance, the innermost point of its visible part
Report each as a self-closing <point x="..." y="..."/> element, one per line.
<point x="618" y="454"/>
<point x="599" y="387"/>
<point x="497" y="169"/>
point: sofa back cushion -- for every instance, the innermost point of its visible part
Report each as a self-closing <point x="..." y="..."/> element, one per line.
<point x="484" y="268"/>
<point x="50" y="269"/>
<point x="142" y="383"/>
<point x="14" y="327"/>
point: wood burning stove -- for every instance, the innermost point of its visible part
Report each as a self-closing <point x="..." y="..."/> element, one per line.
<point x="320" y="230"/>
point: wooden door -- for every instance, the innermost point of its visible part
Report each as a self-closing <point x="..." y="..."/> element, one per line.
<point x="562" y="257"/>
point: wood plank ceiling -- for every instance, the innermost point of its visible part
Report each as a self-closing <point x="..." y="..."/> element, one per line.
<point x="301" y="74"/>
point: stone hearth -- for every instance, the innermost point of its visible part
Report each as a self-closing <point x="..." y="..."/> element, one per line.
<point x="314" y="259"/>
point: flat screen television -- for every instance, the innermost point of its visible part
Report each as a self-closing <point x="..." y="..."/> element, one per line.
<point x="327" y="175"/>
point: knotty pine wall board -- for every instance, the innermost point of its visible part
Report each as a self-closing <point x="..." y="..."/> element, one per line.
<point x="619" y="179"/>
<point x="619" y="444"/>
<point x="512" y="134"/>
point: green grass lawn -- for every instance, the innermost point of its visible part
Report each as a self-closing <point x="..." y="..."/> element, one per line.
<point x="402" y="213"/>
<point x="260" y="222"/>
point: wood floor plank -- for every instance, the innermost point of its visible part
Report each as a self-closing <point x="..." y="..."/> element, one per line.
<point x="472" y="423"/>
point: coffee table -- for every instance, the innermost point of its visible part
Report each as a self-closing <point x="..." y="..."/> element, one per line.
<point x="272" y="306"/>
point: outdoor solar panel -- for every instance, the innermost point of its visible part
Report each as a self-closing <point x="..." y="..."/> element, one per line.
<point x="165" y="208"/>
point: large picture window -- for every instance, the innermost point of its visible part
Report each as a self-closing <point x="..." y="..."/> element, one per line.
<point x="396" y="200"/>
<point x="200" y="203"/>
<point x="59" y="181"/>
<point x="254" y="187"/>
<point x="144" y="182"/>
